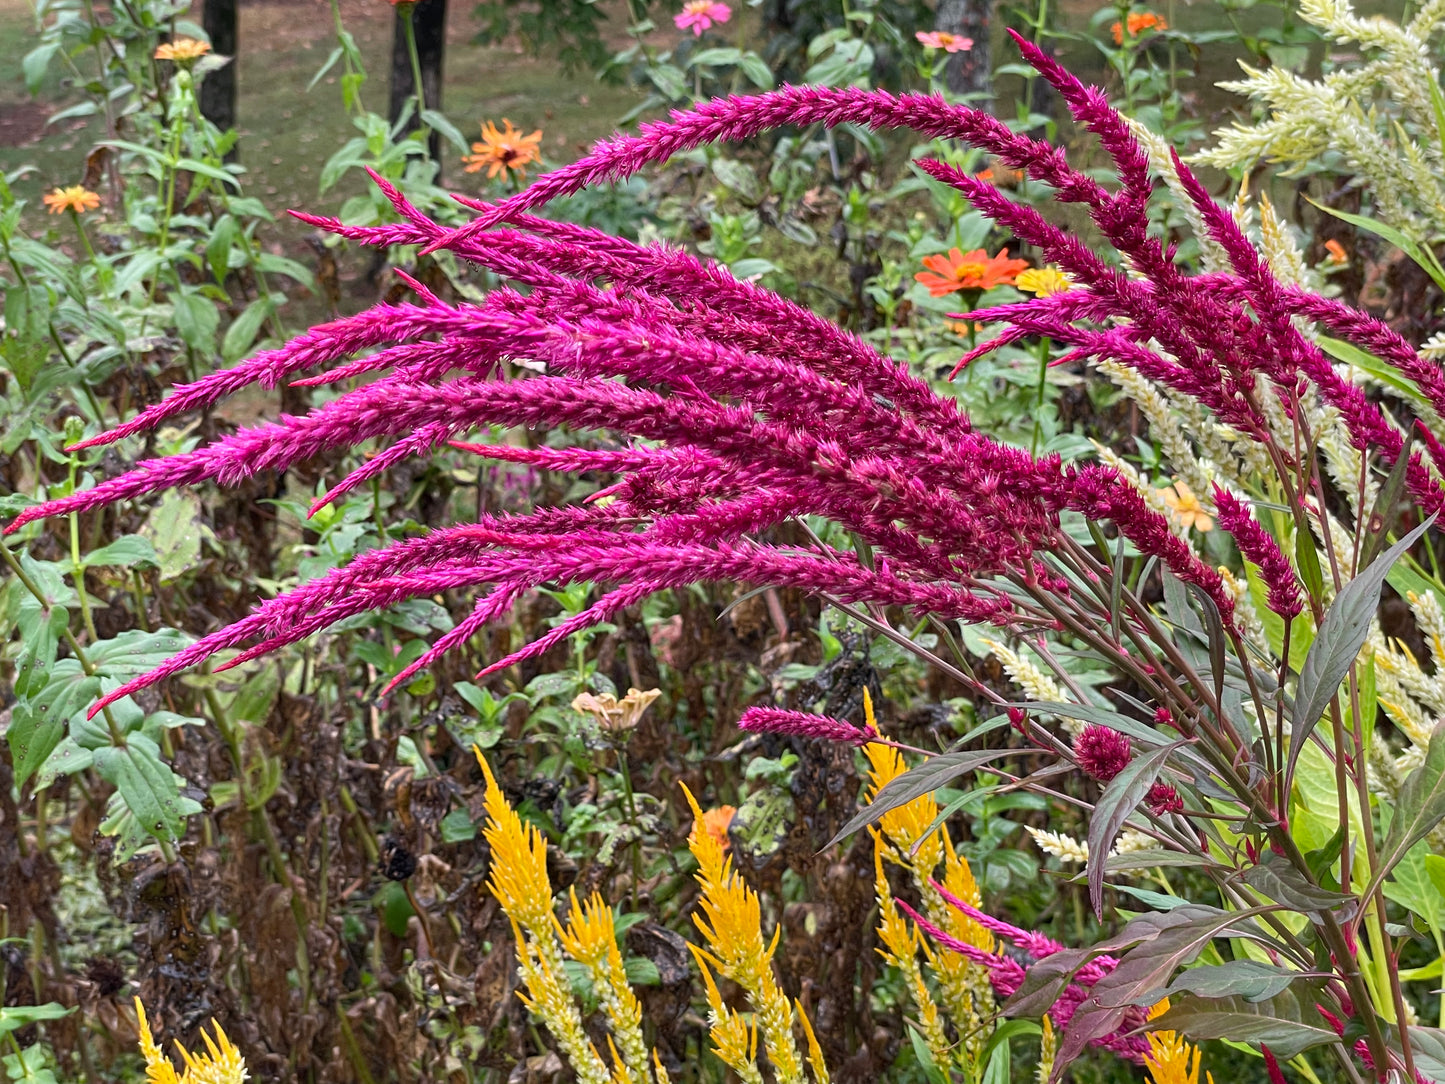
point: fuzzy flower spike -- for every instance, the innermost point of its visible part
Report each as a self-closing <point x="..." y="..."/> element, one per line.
<point x="221" y="1063"/>
<point x="737" y="410"/>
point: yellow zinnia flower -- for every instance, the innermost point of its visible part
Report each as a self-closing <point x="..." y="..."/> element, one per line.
<point x="76" y="198"/>
<point x="1043" y="281"/>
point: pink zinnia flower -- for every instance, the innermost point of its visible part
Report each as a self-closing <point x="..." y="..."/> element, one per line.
<point x="700" y="15"/>
<point x="942" y="39"/>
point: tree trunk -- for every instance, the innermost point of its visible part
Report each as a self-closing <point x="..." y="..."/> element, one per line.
<point x="967" y="72"/>
<point x="218" y="88"/>
<point x="429" y="18"/>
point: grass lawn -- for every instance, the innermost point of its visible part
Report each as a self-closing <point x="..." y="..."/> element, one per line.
<point x="288" y="132"/>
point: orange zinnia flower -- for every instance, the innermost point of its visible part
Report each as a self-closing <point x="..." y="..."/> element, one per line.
<point x="505" y="150"/>
<point x="75" y="198"/>
<point x="1186" y="507"/>
<point x="182" y="49"/>
<point x="715" y="823"/>
<point x="975" y="270"/>
<point x="1138" y="22"/>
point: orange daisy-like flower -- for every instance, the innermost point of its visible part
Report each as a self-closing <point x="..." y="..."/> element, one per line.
<point x="975" y="270"/>
<point x="182" y="50"/>
<point x="75" y="198"/>
<point x="502" y="150"/>
<point x="715" y="823"/>
<point x="1337" y="253"/>
<point x="1186" y="507"/>
<point x="1138" y="22"/>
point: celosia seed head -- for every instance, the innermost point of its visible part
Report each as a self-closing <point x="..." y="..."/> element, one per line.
<point x="1163" y="798"/>
<point x="1102" y="753"/>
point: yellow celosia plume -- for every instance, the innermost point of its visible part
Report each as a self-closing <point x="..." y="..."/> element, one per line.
<point x="519" y="859"/>
<point x="731" y="924"/>
<point x="907" y="826"/>
<point x="220" y="1064"/>
<point x="1172" y="1059"/>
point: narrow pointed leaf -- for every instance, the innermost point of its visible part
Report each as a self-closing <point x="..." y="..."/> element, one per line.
<point x="1120" y="798"/>
<point x="925" y="779"/>
<point x="1341" y="635"/>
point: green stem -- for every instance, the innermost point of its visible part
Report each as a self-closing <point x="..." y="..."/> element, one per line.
<point x="1043" y="390"/>
<point x="168" y="183"/>
<point x="410" y="31"/>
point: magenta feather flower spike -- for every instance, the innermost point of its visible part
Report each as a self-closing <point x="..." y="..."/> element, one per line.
<point x="730" y="410"/>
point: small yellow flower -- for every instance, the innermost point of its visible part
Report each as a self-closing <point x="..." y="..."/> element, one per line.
<point x="75" y="198"/>
<point x="220" y="1064"/>
<point x="1043" y="281"/>
<point x="1186" y="507"/>
<point x="504" y="150"/>
<point x="182" y="50"/>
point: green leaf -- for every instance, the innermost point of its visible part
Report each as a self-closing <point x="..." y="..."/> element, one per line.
<point x="174" y="529"/>
<point x="1417" y="252"/>
<point x="146" y="785"/>
<point x="1287" y="1022"/>
<point x="326" y="67"/>
<point x="1249" y="979"/>
<point x="438" y="122"/>
<point x="757" y="70"/>
<point x="1427" y="1045"/>
<point x="36" y="63"/>
<point x="1373" y="366"/>
<point x="196" y="320"/>
<point x="1282" y="883"/>
<point x="131" y="653"/>
<point x="1120" y="798"/>
<point x="738" y="176"/>
<point x="14" y="1017"/>
<point x="244" y="328"/>
<point x="126" y="551"/>
<point x="1413" y="887"/>
<point x="457" y="827"/>
<point x="218" y="247"/>
<point x="925" y="779"/>
<point x="925" y="1058"/>
<point x="1341" y="635"/>
<point x="37" y="725"/>
<point x="1146" y="970"/>
<point x="273" y="264"/>
<point x="37" y="650"/>
<point x="193" y="165"/>
<point x="1418" y="808"/>
<point x="1307" y="559"/>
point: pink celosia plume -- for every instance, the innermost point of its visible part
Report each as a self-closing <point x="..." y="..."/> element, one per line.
<point x="721" y="410"/>
<point x="805" y="725"/>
